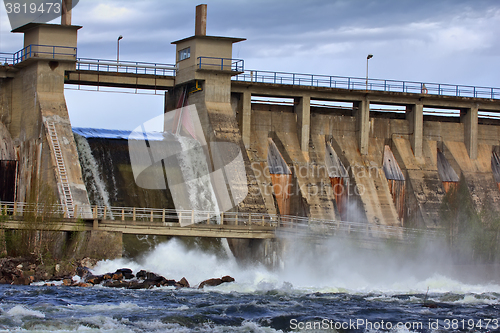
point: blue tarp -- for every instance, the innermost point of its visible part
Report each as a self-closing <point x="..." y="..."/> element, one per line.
<point x="103" y="133"/>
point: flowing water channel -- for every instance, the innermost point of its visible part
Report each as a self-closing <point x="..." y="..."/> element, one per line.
<point x="337" y="288"/>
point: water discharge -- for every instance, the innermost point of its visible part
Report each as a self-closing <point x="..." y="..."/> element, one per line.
<point x="94" y="181"/>
<point x="338" y="266"/>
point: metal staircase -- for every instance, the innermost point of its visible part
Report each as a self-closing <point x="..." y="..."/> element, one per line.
<point x="67" y="198"/>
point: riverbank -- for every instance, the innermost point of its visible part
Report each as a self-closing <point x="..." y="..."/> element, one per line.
<point x="24" y="271"/>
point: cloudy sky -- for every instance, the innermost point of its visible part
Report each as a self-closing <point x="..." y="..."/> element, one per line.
<point x="445" y="41"/>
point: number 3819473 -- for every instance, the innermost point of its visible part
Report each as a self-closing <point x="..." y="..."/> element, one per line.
<point x="32" y="8"/>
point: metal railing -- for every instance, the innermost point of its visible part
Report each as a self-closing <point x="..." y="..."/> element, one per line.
<point x="356" y="83"/>
<point x="286" y="224"/>
<point x="220" y="64"/>
<point x="237" y="65"/>
<point x="43" y="51"/>
<point x="130" y="67"/>
<point x="6" y="59"/>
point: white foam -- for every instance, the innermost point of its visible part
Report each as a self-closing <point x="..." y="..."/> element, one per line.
<point x="90" y="170"/>
<point x="122" y="306"/>
<point x="174" y="260"/>
<point x="22" y="311"/>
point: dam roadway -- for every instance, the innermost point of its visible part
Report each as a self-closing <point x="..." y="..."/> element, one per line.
<point x="165" y="222"/>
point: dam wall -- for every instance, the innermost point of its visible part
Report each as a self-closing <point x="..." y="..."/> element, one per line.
<point x="423" y="183"/>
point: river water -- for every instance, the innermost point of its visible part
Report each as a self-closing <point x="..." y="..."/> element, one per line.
<point x="333" y="287"/>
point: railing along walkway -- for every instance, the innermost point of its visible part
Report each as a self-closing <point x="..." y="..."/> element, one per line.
<point x="290" y="225"/>
<point x="286" y="78"/>
<point x="357" y="83"/>
<point x="130" y="67"/>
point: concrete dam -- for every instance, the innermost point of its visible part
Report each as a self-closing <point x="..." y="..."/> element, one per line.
<point x="321" y="147"/>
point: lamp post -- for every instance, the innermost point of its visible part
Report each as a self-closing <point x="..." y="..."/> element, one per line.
<point x="118" y="49"/>
<point x="367" y="58"/>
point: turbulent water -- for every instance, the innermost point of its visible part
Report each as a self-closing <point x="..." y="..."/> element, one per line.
<point x="334" y="286"/>
<point x="352" y="292"/>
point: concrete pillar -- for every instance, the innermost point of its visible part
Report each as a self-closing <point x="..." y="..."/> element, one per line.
<point x="303" y="111"/>
<point x="201" y="20"/>
<point x="67" y="5"/>
<point x="246" y="117"/>
<point x="415" y="117"/>
<point x="362" y="114"/>
<point x="469" y="117"/>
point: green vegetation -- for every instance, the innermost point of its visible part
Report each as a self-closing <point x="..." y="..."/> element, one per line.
<point x="37" y="241"/>
<point x="473" y="236"/>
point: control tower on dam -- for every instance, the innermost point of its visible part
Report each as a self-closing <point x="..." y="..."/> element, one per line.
<point x="380" y="152"/>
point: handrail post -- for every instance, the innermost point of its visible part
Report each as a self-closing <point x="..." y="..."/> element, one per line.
<point x="163" y="216"/>
<point x="222" y="218"/>
<point x="133" y="214"/>
<point x="123" y="214"/>
<point x="236" y="219"/>
<point x="15" y="209"/>
<point x="75" y="210"/>
<point x="249" y="218"/>
<point x="263" y="220"/>
<point x="151" y="218"/>
<point x="95" y="223"/>
<point x="105" y="212"/>
<point x="192" y="216"/>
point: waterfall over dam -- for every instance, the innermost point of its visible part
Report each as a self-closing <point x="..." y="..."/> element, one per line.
<point x="107" y="171"/>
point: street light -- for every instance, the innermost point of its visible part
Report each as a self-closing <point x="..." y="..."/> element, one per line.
<point x="367" y="58"/>
<point x="118" y="48"/>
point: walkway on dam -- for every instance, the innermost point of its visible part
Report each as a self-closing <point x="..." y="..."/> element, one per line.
<point x="159" y="76"/>
<point x="166" y="222"/>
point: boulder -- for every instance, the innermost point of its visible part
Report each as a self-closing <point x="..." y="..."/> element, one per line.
<point x="138" y="284"/>
<point x="169" y="283"/>
<point x="67" y="282"/>
<point x="183" y="283"/>
<point x="126" y="272"/>
<point x="117" y="276"/>
<point x="107" y="276"/>
<point x="88" y="262"/>
<point x="94" y="279"/>
<point x="21" y="280"/>
<point x="216" y="281"/>
<point x="141" y="274"/>
<point x="83" y="272"/>
<point x="116" y="284"/>
<point x="144" y="275"/>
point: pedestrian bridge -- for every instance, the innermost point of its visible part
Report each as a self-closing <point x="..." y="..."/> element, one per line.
<point x="161" y="76"/>
<point x="166" y="222"/>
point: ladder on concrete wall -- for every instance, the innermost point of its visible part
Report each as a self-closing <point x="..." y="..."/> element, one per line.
<point x="67" y="198"/>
